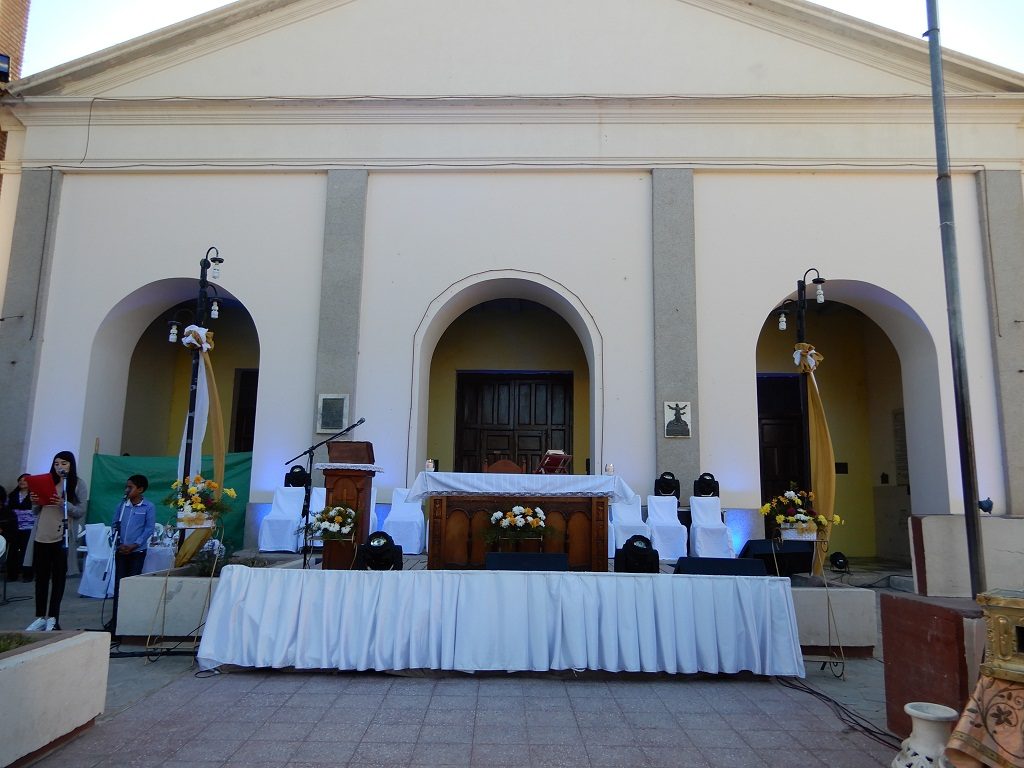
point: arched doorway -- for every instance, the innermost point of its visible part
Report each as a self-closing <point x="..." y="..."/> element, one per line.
<point x="137" y="392"/>
<point x="479" y="289"/>
<point x="862" y="389"/>
<point x="508" y="379"/>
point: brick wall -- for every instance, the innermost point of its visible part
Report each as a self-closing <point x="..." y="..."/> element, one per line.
<point x="13" y="24"/>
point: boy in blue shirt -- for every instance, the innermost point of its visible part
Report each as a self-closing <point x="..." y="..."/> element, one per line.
<point x="134" y="523"/>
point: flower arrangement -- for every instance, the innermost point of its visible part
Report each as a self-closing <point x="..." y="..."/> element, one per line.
<point x="331" y="524"/>
<point x="796" y="508"/>
<point x="200" y="505"/>
<point x="518" y="522"/>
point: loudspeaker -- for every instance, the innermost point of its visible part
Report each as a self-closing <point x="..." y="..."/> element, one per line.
<point x="791" y="556"/>
<point x="720" y="566"/>
<point x="526" y="561"/>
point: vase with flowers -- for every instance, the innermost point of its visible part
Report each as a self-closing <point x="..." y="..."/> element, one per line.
<point x="335" y="527"/>
<point x="518" y="529"/>
<point x="793" y="513"/>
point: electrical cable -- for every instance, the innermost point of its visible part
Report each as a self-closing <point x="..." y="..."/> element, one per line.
<point x="843" y="713"/>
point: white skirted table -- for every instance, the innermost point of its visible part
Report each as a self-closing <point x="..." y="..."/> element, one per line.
<point x="501" y="620"/>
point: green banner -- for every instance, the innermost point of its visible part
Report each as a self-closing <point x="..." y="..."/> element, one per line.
<point x="109" y="474"/>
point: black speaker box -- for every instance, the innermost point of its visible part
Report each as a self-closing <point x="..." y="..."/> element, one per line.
<point x="526" y="561"/>
<point x="790" y="556"/>
<point x="720" y="566"/>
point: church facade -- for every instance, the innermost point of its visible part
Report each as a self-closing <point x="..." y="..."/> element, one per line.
<point x="492" y="229"/>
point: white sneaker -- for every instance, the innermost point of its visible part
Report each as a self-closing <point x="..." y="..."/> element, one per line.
<point x="38" y="625"/>
<point x="50" y="624"/>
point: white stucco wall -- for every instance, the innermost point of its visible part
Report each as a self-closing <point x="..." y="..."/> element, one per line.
<point x="588" y="232"/>
<point x="117" y="233"/>
<point x="758" y="233"/>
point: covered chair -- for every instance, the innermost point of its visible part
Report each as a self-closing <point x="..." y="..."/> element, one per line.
<point x="279" y="529"/>
<point x="98" y="571"/>
<point x="405" y="523"/>
<point x="709" y="536"/>
<point x="625" y="520"/>
<point x="504" y="466"/>
<point x="668" y="535"/>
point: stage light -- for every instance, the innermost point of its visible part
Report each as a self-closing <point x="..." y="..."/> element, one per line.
<point x="839" y="562"/>
<point x="636" y="556"/>
<point x="380" y="553"/>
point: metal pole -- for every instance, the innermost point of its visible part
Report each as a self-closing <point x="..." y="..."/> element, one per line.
<point x="190" y="423"/>
<point x="961" y="392"/>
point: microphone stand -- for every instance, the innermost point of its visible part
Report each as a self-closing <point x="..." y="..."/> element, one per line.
<point x="115" y="539"/>
<point x="67" y="533"/>
<point x="308" y="453"/>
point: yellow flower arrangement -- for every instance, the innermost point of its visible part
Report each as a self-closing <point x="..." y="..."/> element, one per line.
<point x="331" y="523"/>
<point x="199" y="506"/>
<point x="796" y="508"/>
<point x="518" y="522"/>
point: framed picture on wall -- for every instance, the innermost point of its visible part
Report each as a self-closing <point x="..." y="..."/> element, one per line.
<point x="331" y="413"/>
<point x="677" y="419"/>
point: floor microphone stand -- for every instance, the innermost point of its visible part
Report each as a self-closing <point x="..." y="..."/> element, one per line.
<point x="308" y="453"/>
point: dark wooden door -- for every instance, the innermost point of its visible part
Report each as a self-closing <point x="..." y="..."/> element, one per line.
<point x="781" y="433"/>
<point x="511" y="415"/>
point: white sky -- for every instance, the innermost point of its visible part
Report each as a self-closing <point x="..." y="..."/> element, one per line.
<point x="61" y="30"/>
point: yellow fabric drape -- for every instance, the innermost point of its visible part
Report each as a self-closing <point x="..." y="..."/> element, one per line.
<point x="823" y="460"/>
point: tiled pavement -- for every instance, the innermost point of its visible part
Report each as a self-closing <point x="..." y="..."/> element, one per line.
<point x="307" y="720"/>
<point x="163" y="714"/>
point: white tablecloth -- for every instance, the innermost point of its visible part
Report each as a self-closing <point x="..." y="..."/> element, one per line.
<point x="495" y="484"/>
<point x="501" y="620"/>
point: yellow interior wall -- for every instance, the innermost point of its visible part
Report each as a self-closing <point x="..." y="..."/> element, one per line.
<point x="843" y="336"/>
<point x="506" y="336"/>
<point x="158" y="382"/>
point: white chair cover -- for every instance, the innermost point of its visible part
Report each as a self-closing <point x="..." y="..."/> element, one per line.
<point x="668" y="535"/>
<point x="628" y="521"/>
<point x="709" y="536"/>
<point x="98" y="561"/>
<point x="279" y="529"/>
<point x="405" y="523"/>
<point x="373" y="511"/>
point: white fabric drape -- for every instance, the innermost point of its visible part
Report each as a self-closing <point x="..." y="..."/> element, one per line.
<point x="497" y="484"/>
<point x="501" y="620"/>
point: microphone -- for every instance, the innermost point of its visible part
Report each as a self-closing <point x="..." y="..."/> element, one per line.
<point x="360" y="422"/>
<point x="62" y="472"/>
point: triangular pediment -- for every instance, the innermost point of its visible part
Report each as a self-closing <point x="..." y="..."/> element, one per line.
<point x="498" y="48"/>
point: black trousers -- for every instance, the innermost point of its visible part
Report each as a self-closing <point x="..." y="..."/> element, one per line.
<point x="125" y="565"/>
<point x="17" y="546"/>
<point x="51" y="565"/>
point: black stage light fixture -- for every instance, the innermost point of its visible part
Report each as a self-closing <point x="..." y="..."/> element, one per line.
<point x="380" y="553"/>
<point x="296" y="477"/>
<point x="839" y="562"/>
<point x="636" y="556"/>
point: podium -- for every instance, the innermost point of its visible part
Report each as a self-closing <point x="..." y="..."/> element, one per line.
<point x="348" y="478"/>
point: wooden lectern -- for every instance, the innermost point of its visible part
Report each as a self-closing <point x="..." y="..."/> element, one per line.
<point x="351" y="487"/>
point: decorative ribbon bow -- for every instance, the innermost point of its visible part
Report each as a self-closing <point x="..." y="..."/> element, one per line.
<point x="806" y="357"/>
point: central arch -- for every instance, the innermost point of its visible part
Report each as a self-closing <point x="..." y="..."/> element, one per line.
<point x="487" y="286"/>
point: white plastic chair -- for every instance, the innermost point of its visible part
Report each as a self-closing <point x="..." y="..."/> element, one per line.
<point x="668" y="535"/>
<point x="709" y="536"/>
<point x="405" y="523"/>
<point x="628" y="521"/>
<point x="98" y="561"/>
<point x="279" y="529"/>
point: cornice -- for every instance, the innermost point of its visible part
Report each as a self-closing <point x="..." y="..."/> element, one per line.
<point x="73" y="111"/>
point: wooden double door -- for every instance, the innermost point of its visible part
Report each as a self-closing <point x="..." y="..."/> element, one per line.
<point x="511" y="415"/>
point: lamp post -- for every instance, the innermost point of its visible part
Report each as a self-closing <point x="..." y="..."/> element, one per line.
<point x="801" y="336"/>
<point x="208" y="265"/>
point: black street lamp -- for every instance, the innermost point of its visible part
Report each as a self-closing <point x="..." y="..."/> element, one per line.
<point x="800" y="307"/>
<point x="205" y="310"/>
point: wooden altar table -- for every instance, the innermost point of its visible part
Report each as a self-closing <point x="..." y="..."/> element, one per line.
<point x="460" y="504"/>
